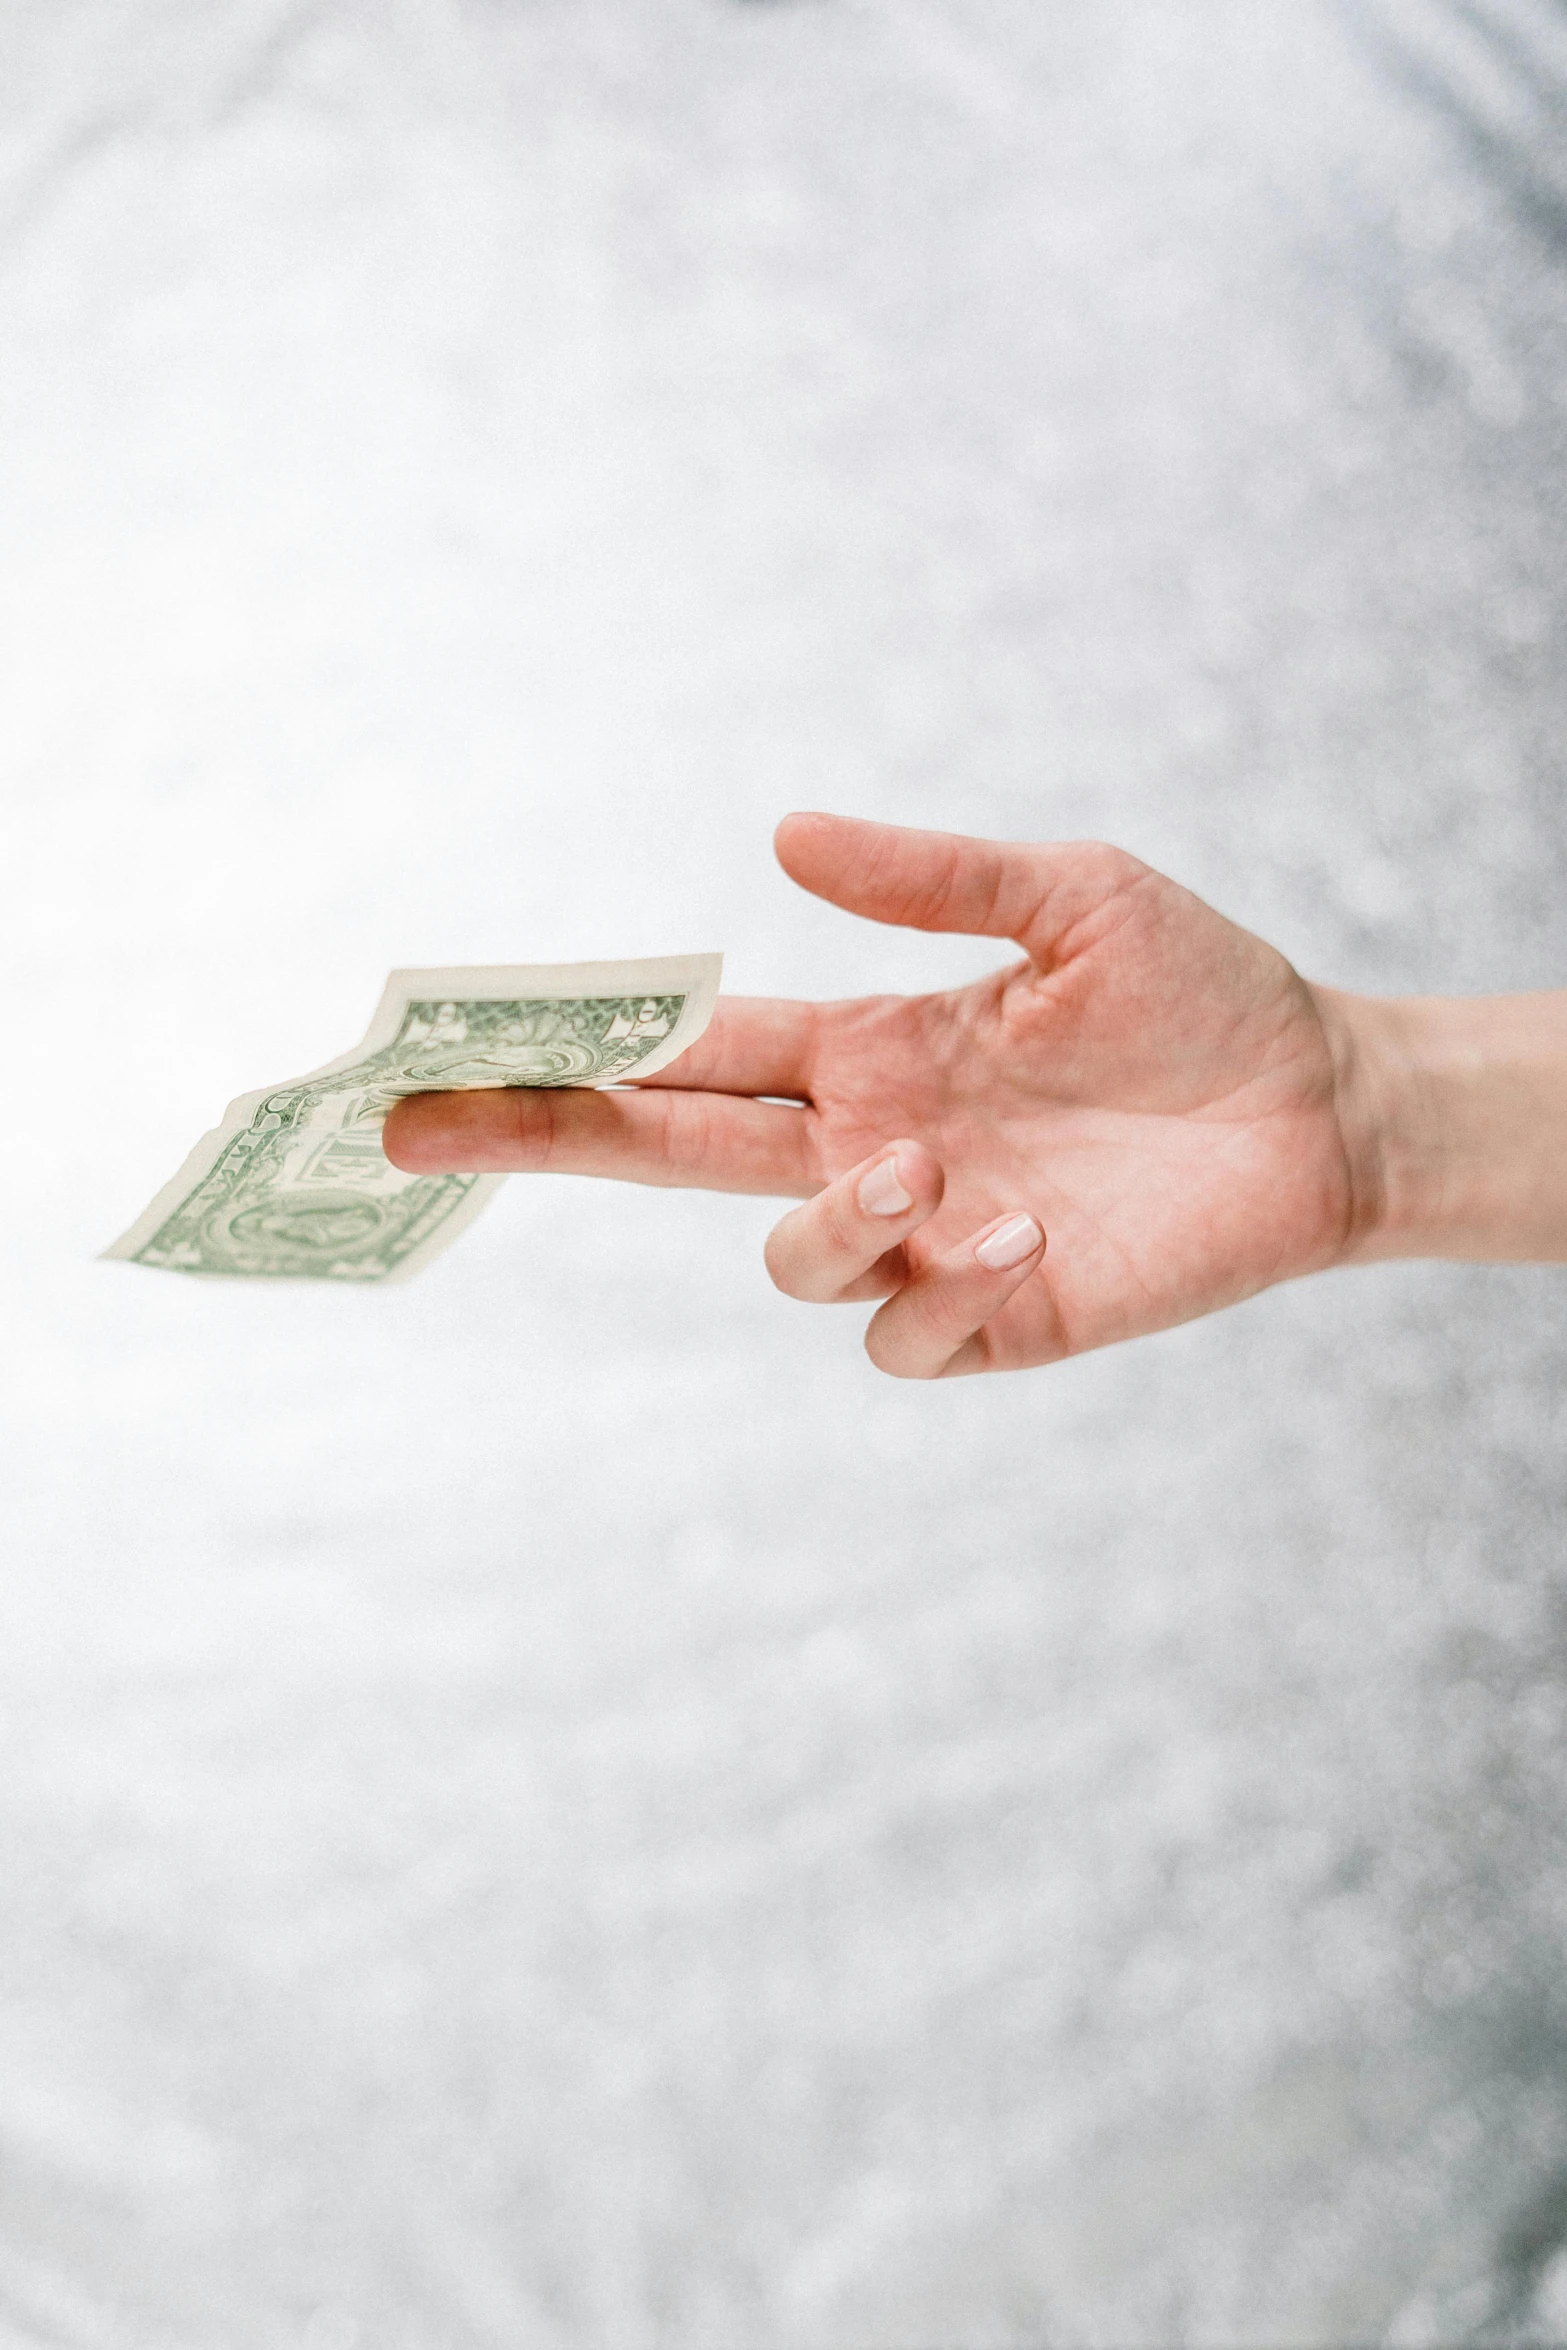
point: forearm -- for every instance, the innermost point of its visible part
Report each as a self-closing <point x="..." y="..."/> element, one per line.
<point x="1454" y="1116"/>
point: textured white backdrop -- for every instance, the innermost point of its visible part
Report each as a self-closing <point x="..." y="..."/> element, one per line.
<point x="554" y="1808"/>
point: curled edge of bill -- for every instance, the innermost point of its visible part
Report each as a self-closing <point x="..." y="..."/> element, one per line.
<point x="697" y="977"/>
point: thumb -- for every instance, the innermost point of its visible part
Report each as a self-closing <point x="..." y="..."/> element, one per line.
<point x="1036" y="894"/>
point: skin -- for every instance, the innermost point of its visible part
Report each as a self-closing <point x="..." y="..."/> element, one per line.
<point x="1152" y="1108"/>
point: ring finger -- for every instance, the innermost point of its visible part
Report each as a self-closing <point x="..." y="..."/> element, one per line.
<point x="847" y="1242"/>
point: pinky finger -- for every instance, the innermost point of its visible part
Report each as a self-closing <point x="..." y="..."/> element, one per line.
<point x="930" y="1328"/>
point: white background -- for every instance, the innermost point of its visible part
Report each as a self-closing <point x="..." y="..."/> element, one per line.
<point x="554" y="1807"/>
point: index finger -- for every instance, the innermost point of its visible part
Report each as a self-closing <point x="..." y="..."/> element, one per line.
<point x="753" y="1044"/>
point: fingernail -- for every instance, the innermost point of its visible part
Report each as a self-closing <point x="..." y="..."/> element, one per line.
<point x="880" y="1193"/>
<point x="1009" y="1244"/>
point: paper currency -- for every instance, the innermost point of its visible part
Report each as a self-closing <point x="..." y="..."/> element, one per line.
<point x="294" y="1184"/>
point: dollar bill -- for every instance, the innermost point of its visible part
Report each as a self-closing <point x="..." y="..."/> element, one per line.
<point x="293" y="1185"/>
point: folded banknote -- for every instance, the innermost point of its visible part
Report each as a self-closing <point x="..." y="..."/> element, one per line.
<point x="294" y="1185"/>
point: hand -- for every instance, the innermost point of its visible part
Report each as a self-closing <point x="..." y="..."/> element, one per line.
<point x="1153" y="1088"/>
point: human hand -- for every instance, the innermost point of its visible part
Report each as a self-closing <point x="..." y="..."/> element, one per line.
<point x="1153" y="1088"/>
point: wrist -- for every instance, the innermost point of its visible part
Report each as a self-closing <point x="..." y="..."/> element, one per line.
<point x="1453" y="1113"/>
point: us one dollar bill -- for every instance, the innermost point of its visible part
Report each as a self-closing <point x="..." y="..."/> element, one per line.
<point x="294" y="1185"/>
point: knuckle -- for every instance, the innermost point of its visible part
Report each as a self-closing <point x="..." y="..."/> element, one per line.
<point x="1112" y="869"/>
<point x="534" y="1127"/>
<point x="843" y="1223"/>
<point x="778" y="1257"/>
<point x="822" y="1218"/>
<point x="684" y="1124"/>
<point x="793" y="1266"/>
<point x="882" y="1345"/>
<point x="816" y="1250"/>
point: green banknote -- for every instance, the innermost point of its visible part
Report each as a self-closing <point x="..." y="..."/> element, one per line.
<point x="294" y="1184"/>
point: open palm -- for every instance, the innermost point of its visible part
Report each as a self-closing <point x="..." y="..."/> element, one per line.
<point x="1153" y="1087"/>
